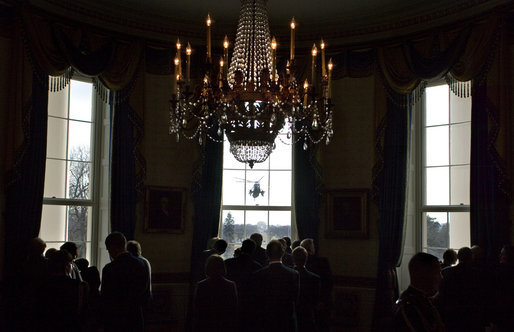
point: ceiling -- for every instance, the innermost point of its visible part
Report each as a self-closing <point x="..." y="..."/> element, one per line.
<point x="342" y="21"/>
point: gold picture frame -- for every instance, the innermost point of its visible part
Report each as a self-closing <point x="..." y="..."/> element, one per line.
<point x="347" y="214"/>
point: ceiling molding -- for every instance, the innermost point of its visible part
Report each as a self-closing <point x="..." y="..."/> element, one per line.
<point x="341" y="31"/>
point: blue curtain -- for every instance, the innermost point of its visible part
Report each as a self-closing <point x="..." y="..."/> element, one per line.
<point x="123" y="173"/>
<point x="306" y="192"/>
<point x="207" y="203"/>
<point x="391" y="205"/>
<point x="489" y="204"/>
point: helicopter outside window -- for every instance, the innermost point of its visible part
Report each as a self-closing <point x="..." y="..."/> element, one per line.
<point x="257" y="200"/>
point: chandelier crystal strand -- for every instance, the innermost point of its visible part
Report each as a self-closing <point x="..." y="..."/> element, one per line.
<point x="252" y="102"/>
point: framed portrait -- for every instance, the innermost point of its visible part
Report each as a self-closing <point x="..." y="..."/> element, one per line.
<point x="165" y="209"/>
<point x="347" y="213"/>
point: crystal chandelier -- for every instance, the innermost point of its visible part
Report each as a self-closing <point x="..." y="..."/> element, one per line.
<point x="252" y="101"/>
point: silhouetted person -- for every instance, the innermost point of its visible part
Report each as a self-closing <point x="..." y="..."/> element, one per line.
<point x="34" y="275"/>
<point x="414" y="310"/>
<point x="310" y="285"/>
<point x="288" y="245"/>
<point x="134" y="248"/>
<point x="449" y="258"/>
<point x="295" y="244"/>
<point x="73" y="250"/>
<point x="260" y="253"/>
<point x="462" y="301"/>
<point x="504" y="296"/>
<point x="320" y="266"/>
<point x="276" y="292"/>
<point x="91" y="275"/>
<point x="62" y="300"/>
<point x="240" y="269"/>
<point x="49" y="252"/>
<point x="124" y="286"/>
<point x="215" y="299"/>
<point x="287" y="259"/>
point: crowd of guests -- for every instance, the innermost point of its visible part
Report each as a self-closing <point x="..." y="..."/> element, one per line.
<point x="61" y="292"/>
<point x="469" y="296"/>
<point x="285" y="287"/>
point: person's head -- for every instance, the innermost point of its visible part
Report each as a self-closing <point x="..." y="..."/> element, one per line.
<point x="49" y="252"/>
<point x="164" y="202"/>
<point x="71" y="248"/>
<point x="295" y="244"/>
<point x="134" y="248"/>
<point x="36" y="247"/>
<point x="59" y="263"/>
<point x="257" y="238"/>
<point x="449" y="256"/>
<point x="116" y="243"/>
<point x="283" y="242"/>
<point x="300" y="256"/>
<point x="308" y="244"/>
<point x="248" y="247"/>
<point x="274" y="250"/>
<point x="212" y="240"/>
<point x="82" y="264"/>
<point x="507" y="255"/>
<point x="425" y="272"/>
<point x="478" y="254"/>
<point x="220" y="246"/>
<point x="215" y="266"/>
<point x="465" y="256"/>
<point x="288" y="241"/>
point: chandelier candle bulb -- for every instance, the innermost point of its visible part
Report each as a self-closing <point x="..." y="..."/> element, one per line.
<point x="329" y="91"/>
<point x="313" y="69"/>
<point x="188" y="64"/>
<point x="222" y="70"/>
<point x="209" y="22"/>
<point x="225" y="57"/>
<point x="175" y="75"/>
<point x="323" y="70"/>
<point x="273" y="59"/>
<point x="293" y="26"/>
<point x="305" y="92"/>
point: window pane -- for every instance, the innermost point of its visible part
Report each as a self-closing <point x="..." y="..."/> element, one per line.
<point x="81" y="100"/>
<point x="460" y="108"/>
<point x="460" y="185"/>
<point x="437" y="186"/>
<point x="233" y="187"/>
<point x="257" y="190"/>
<point x="437" y="233"/>
<point x="281" y="157"/>
<point x="53" y="223"/>
<point x="257" y="222"/>
<point x="460" y="143"/>
<point x="437" y="108"/>
<point x="459" y="230"/>
<point x="58" y="103"/>
<point x="280" y="188"/>
<point x="79" y="140"/>
<point x="79" y="174"/>
<point x="437" y="146"/>
<point x="78" y="217"/>
<point x="279" y="224"/>
<point x="232" y="230"/>
<point x="56" y="138"/>
<point x="55" y="178"/>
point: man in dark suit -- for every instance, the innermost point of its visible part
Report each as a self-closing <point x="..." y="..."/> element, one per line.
<point x="240" y="269"/>
<point x="124" y="287"/>
<point x="309" y="292"/>
<point x="260" y="254"/>
<point x="276" y="292"/>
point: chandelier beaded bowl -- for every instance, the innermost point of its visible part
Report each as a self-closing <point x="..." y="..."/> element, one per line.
<point x="251" y="102"/>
